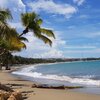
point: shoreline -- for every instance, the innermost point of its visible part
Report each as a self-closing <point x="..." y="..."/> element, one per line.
<point x="25" y="87"/>
<point x="28" y="76"/>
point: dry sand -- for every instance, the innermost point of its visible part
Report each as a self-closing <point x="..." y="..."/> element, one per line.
<point x="30" y="93"/>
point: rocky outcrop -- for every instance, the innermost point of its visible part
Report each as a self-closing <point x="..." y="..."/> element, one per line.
<point x="10" y="95"/>
<point x="6" y="93"/>
<point x="15" y="96"/>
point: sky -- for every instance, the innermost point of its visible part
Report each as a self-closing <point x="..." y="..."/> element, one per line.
<point x="76" y="24"/>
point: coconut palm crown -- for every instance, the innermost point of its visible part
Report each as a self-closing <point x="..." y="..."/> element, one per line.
<point x="33" y="22"/>
<point x="9" y="38"/>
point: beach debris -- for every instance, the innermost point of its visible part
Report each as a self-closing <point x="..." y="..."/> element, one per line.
<point x="14" y="84"/>
<point x="73" y="87"/>
<point x="33" y="85"/>
<point x="10" y="96"/>
<point x="50" y="87"/>
<point x="54" y="87"/>
<point x="5" y="88"/>
<point x="27" y="91"/>
<point x="4" y="95"/>
<point x="16" y="96"/>
<point x="26" y="94"/>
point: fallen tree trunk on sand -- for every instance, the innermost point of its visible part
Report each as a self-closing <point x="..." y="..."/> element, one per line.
<point x="46" y="86"/>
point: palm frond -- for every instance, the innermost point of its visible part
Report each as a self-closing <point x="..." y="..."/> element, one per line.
<point x="23" y="39"/>
<point x="43" y="38"/>
<point x="16" y="44"/>
<point x="6" y="31"/>
<point x="39" y="21"/>
<point x="27" y="18"/>
<point x="5" y="15"/>
<point x="46" y="40"/>
<point x="47" y="32"/>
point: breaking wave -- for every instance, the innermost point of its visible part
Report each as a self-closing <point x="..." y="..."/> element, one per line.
<point x="83" y="80"/>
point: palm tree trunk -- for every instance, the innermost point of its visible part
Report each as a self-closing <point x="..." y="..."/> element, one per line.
<point x="7" y="67"/>
<point x="0" y="66"/>
<point x="24" y="32"/>
<point x="1" y="57"/>
<point x="6" y="60"/>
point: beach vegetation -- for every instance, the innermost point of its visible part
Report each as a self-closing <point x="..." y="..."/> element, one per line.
<point x="12" y="41"/>
<point x="9" y="39"/>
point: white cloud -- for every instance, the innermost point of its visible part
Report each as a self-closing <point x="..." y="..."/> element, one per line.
<point x="53" y="53"/>
<point x="83" y="16"/>
<point x="37" y="49"/>
<point x="81" y="47"/>
<point x="92" y="51"/>
<point x="83" y="53"/>
<point x="16" y="25"/>
<point x="15" y="5"/>
<point x="71" y="27"/>
<point x="79" y="2"/>
<point x="94" y="35"/>
<point x="91" y="34"/>
<point x="50" y="6"/>
<point x="3" y="3"/>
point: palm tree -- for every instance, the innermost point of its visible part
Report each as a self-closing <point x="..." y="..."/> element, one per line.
<point x="11" y="41"/>
<point x="8" y="35"/>
<point x="9" y="38"/>
<point x="33" y="22"/>
<point x="7" y="46"/>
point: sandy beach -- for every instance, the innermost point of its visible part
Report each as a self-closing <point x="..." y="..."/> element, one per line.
<point x="30" y="93"/>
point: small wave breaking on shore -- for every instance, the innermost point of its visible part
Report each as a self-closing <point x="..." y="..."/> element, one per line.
<point x="84" y="80"/>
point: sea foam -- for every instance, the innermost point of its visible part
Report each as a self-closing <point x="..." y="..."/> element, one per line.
<point x="86" y="80"/>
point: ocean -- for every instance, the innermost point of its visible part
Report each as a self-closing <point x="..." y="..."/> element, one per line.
<point x="85" y="74"/>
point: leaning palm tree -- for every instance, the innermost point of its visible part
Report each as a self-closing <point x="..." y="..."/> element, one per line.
<point x="7" y="34"/>
<point x="9" y="38"/>
<point x="33" y="22"/>
<point x="9" y="45"/>
<point x="5" y="15"/>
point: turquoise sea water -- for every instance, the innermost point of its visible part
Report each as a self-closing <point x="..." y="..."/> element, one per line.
<point x="70" y="73"/>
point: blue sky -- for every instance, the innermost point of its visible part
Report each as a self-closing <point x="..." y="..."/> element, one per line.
<point x="76" y="24"/>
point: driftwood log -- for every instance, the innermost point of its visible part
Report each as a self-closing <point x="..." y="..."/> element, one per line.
<point x="55" y="87"/>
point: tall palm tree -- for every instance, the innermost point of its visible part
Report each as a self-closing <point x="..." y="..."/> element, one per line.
<point x="8" y="35"/>
<point x="9" y="38"/>
<point x="33" y="22"/>
<point x="4" y="30"/>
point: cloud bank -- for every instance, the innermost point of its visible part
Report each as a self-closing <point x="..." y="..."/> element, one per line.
<point x="49" y="6"/>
